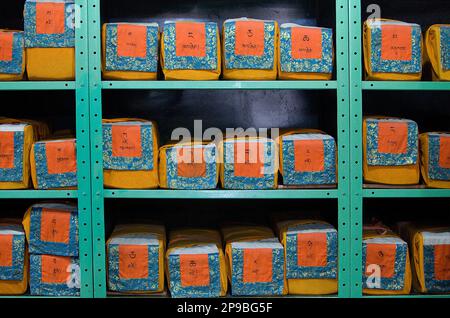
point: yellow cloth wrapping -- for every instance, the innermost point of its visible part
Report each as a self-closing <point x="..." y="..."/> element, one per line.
<point x="372" y="234"/>
<point x="251" y="74"/>
<point x="14" y="77"/>
<point x="304" y="286"/>
<point x="424" y="167"/>
<point x="186" y="238"/>
<point x="193" y="75"/>
<point x="434" y="53"/>
<point x="29" y="138"/>
<point x="122" y="75"/>
<point x="139" y="179"/>
<point x="51" y="64"/>
<point x="370" y="74"/>
<point x="133" y="230"/>
<point x="394" y="175"/>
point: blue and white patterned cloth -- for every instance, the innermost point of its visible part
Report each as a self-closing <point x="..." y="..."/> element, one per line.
<point x="14" y="272"/>
<point x="15" y="65"/>
<point x="445" y="48"/>
<point x="435" y="171"/>
<point x="430" y="241"/>
<point x="15" y="173"/>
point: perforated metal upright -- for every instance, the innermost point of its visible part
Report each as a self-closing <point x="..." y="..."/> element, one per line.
<point x="341" y="194"/>
<point x="83" y="194"/>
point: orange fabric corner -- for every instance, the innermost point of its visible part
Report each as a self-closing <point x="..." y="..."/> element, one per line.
<point x="190" y="39"/>
<point x="55" y="269"/>
<point x="6" y="252"/>
<point x="312" y="249"/>
<point x="392" y="137"/>
<point x="126" y="141"/>
<point x="249" y="159"/>
<point x="257" y="265"/>
<point x="442" y="262"/>
<point x="306" y="43"/>
<point x="50" y="18"/>
<point x="61" y="157"/>
<point x="249" y="38"/>
<point x="194" y="269"/>
<point x="132" y="40"/>
<point x="444" y="152"/>
<point x="309" y="155"/>
<point x="133" y="261"/>
<point x="382" y="255"/>
<point x="191" y="163"/>
<point x="6" y="46"/>
<point x="6" y="149"/>
<point x="396" y="42"/>
<point x="55" y="226"/>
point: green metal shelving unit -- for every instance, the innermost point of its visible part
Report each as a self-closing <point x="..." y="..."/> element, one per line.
<point x="99" y="194"/>
<point x="83" y="193"/>
<point x="358" y="191"/>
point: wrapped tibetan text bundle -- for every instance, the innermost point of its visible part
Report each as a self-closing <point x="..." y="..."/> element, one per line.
<point x="130" y="51"/>
<point x="435" y="159"/>
<point x="437" y="44"/>
<point x="50" y="39"/>
<point x="12" y="55"/>
<point x="135" y="256"/>
<point x="305" y="53"/>
<point x="195" y="264"/>
<point x="392" y="50"/>
<point x="391" y="151"/>
<point x="190" y="50"/>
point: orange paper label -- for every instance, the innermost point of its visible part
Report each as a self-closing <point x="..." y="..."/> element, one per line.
<point x="309" y="155"/>
<point x="6" y="46"/>
<point x="6" y="149"/>
<point x="194" y="269"/>
<point x="249" y="159"/>
<point x="444" y="152"/>
<point x="55" y="226"/>
<point x="442" y="262"/>
<point x="249" y="38"/>
<point x="382" y="255"/>
<point x="132" y="40"/>
<point x="126" y="141"/>
<point x="55" y="269"/>
<point x="61" y="157"/>
<point x="133" y="261"/>
<point x="6" y="252"/>
<point x="312" y="249"/>
<point x="396" y="42"/>
<point x="392" y="137"/>
<point x="50" y="18"/>
<point x="257" y="265"/>
<point x="306" y="43"/>
<point x="190" y="163"/>
<point x="190" y="39"/>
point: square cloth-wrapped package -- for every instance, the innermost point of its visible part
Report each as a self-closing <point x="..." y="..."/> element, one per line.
<point x="195" y="264"/>
<point x="437" y="43"/>
<point x="52" y="228"/>
<point x="391" y="151"/>
<point x="435" y="159"/>
<point x="190" y="50"/>
<point x="386" y="265"/>
<point x="50" y="39"/>
<point x="130" y="153"/>
<point x="250" y="49"/>
<point x="16" y="139"/>
<point x="311" y="249"/>
<point x="249" y="163"/>
<point x="130" y="51"/>
<point x="52" y="275"/>
<point x="305" y="53"/>
<point x="136" y="259"/>
<point x="54" y="164"/>
<point x="188" y="166"/>
<point x="13" y="258"/>
<point x="12" y="55"/>
<point x="392" y="50"/>
<point x="307" y="157"/>
<point x="255" y="261"/>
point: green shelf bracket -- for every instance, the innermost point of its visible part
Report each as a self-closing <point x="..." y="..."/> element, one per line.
<point x="39" y="194"/>
<point x="30" y="86"/>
